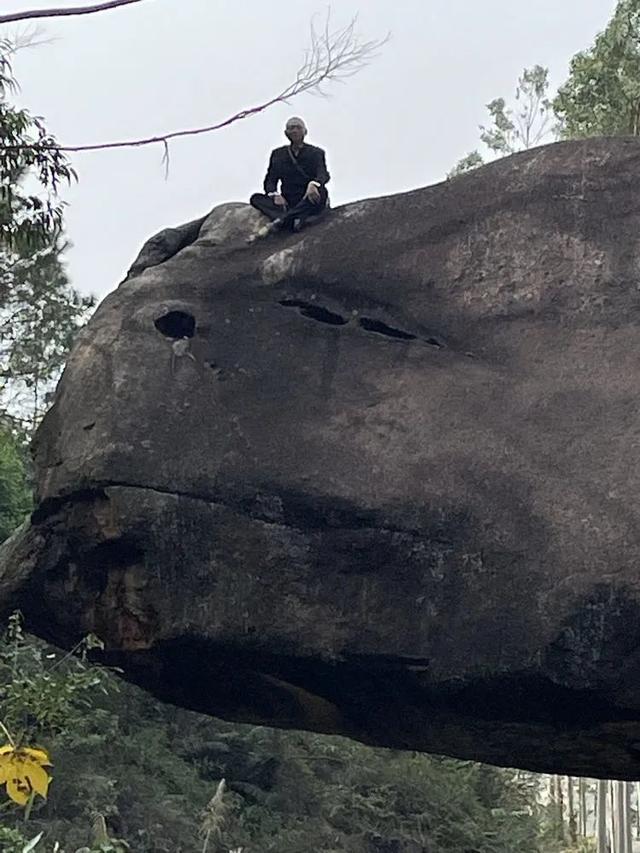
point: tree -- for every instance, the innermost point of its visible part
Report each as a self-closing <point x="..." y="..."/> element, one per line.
<point x="573" y="827"/>
<point x="602" y="93"/>
<point x="582" y="806"/>
<point x="37" y="307"/>
<point x="40" y="314"/>
<point x="29" y="218"/>
<point x="560" y="805"/>
<point x="620" y="817"/>
<point x="525" y="125"/>
<point x="515" y="128"/>
<point x="601" y="96"/>
<point x="601" y="816"/>
<point x="15" y="500"/>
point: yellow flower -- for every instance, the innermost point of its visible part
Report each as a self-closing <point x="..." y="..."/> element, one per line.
<point x="22" y="771"/>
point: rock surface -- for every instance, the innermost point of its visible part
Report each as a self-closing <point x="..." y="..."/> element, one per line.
<point x="381" y="478"/>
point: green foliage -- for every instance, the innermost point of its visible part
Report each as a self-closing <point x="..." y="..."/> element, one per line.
<point x="41" y="692"/>
<point x="28" y="155"/>
<point x="601" y="96"/>
<point x="39" y="316"/>
<point x="131" y="771"/>
<point x="11" y="840"/>
<point x="526" y="123"/>
<point x="39" y="311"/>
<point x="15" y="499"/>
<point x="348" y="797"/>
<point x="602" y="93"/>
<point x="585" y="845"/>
<point x="467" y="164"/>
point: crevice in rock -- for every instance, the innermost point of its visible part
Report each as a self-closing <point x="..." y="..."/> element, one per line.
<point x="176" y="324"/>
<point x="312" y="311"/>
<point x="315" y="312"/>
<point x="297" y="513"/>
<point x="382" y="329"/>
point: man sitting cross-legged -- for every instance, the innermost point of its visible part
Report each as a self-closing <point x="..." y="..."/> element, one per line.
<point x="301" y="171"/>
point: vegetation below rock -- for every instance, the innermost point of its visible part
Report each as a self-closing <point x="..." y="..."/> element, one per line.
<point x="150" y="770"/>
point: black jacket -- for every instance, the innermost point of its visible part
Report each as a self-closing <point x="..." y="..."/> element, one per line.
<point x="311" y="166"/>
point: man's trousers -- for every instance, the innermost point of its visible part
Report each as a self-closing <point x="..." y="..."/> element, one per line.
<point x="302" y="211"/>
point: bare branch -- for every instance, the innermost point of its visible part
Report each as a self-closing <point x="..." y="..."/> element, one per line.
<point x="59" y="13"/>
<point x="166" y="159"/>
<point x="30" y="35"/>
<point x="332" y="56"/>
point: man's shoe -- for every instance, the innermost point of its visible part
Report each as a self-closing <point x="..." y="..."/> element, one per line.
<point x="298" y="225"/>
<point x="267" y="229"/>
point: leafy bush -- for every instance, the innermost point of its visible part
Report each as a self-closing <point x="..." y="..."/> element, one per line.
<point x="15" y="499"/>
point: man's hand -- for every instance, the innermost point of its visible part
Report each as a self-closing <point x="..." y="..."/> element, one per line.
<point x="280" y="200"/>
<point x="312" y="193"/>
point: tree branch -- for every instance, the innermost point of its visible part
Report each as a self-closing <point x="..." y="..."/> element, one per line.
<point x="332" y="56"/>
<point x="59" y="13"/>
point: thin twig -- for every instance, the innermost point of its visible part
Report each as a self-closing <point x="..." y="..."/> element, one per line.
<point x="59" y="13"/>
<point x="29" y="807"/>
<point x="71" y="653"/>
<point x="166" y="158"/>
<point x="7" y="735"/>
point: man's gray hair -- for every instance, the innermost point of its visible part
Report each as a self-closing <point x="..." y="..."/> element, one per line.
<point x="296" y="120"/>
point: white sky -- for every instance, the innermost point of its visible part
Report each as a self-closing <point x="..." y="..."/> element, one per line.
<point x="169" y="64"/>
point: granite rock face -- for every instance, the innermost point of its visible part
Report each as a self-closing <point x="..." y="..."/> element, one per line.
<point x="381" y="478"/>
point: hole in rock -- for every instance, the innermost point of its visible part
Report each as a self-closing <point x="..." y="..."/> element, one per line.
<point x="176" y="324"/>
<point x="91" y="568"/>
<point x="382" y="329"/>
<point x="315" y="312"/>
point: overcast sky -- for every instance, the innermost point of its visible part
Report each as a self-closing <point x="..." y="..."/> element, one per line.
<point x="169" y="64"/>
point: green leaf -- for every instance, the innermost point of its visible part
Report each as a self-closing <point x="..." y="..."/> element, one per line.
<point x="31" y="845"/>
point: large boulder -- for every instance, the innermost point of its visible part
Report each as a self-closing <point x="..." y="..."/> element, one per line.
<point x="380" y="478"/>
